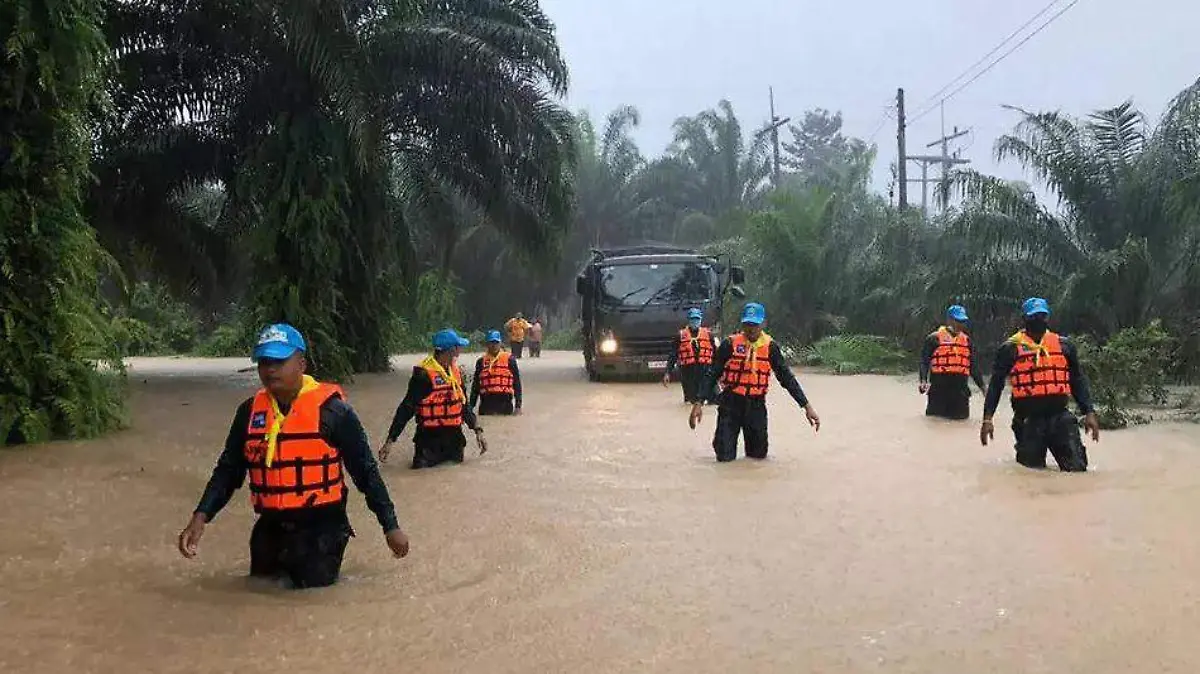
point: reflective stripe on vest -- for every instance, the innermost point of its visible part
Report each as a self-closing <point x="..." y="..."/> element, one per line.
<point x="496" y="377"/>
<point x="306" y="470"/>
<point x="696" y="350"/>
<point x="748" y="370"/>
<point x="1041" y="369"/>
<point x="443" y="407"/>
<point x="953" y="353"/>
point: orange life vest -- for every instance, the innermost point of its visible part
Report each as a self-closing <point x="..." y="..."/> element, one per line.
<point x="953" y="353"/>
<point x="696" y="350"/>
<point x="306" y="471"/>
<point x="443" y="407"/>
<point x="748" y="371"/>
<point x="496" y="377"/>
<point x="1040" y="369"/>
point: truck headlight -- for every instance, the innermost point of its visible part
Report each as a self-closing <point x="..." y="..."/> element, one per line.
<point x="608" y="345"/>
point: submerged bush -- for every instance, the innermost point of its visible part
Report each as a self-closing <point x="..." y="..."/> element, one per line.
<point x="1128" y="370"/>
<point x="857" y="354"/>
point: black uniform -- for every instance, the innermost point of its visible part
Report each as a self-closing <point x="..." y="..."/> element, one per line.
<point x="691" y="377"/>
<point x="949" y="395"/>
<point x="305" y="545"/>
<point x="746" y="415"/>
<point x="496" y="403"/>
<point x="431" y="446"/>
<point x="1043" y="423"/>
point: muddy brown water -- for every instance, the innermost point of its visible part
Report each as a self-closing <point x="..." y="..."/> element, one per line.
<point x="598" y="535"/>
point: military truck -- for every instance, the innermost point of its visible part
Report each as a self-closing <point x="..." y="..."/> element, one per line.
<point x="635" y="300"/>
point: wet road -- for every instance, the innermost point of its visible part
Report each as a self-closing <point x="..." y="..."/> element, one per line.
<point x="598" y="535"/>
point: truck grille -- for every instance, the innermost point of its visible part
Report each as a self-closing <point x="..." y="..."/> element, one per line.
<point x="644" y="347"/>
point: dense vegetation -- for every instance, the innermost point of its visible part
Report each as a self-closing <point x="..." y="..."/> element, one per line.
<point x="371" y="170"/>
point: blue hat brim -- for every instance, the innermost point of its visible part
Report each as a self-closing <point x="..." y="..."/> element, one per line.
<point x="275" y="351"/>
<point x="959" y="316"/>
<point x="752" y="320"/>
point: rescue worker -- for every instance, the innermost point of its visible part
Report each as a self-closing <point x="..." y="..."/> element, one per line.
<point x="947" y="360"/>
<point x="692" y="349"/>
<point x="516" y="327"/>
<point x="744" y="364"/>
<point x="1043" y="370"/>
<point x="296" y="438"/>
<point x="497" y="383"/>
<point x="435" y="397"/>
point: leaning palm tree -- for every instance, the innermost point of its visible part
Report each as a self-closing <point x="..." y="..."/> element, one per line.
<point x="327" y="122"/>
<point x="1119" y="246"/>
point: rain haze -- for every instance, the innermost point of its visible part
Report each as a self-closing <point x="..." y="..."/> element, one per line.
<point x="670" y="59"/>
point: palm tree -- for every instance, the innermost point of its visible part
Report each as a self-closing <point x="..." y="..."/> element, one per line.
<point x="1120" y="248"/>
<point x="52" y="331"/>
<point x="333" y="124"/>
<point x="608" y="195"/>
<point x="720" y="173"/>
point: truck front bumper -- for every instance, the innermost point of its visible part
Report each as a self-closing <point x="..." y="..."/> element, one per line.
<point x="630" y="366"/>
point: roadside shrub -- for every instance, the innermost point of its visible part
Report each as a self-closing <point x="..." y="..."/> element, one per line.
<point x="857" y="354"/>
<point x="1128" y="370"/>
<point x="567" y="339"/>
<point x="155" y="323"/>
<point x="235" y="338"/>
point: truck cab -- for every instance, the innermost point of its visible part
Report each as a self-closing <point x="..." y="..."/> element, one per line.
<point x="635" y="301"/>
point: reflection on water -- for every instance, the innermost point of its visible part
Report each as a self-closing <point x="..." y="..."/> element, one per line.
<point x="598" y="535"/>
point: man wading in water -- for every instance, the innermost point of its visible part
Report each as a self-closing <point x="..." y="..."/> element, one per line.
<point x="293" y="439"/>
<point x="744" y="364"/>
<point x="947" y="361"/>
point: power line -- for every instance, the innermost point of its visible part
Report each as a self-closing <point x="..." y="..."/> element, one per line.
<point x="883" y="119"/>
<point x="993" y="64"/>
<point x="988" y="55"/>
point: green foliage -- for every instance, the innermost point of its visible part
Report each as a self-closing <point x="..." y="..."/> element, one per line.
<point x="570" y="339"/>
<point x="153" y="322"/>
<point x="62" y="371"/>
<point x="434" y="304"/>
<point x="235" y="338"/>
<point x="344" y="133"/>
<point x="1127" y="371"/>
<point x="858" y="354"/>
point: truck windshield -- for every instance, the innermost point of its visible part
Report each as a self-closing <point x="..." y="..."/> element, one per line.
<point x="639" y="285"/>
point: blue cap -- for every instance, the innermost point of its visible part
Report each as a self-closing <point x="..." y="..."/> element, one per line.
<point x="493" y="337"/>
<point x="754" y="313"/>
<point x="1035" y="305"/>
<point x="695" y="313"/>
<point x="448" y="339"/>
<point x="278" y="341"/>
<point x="958" y="312"/>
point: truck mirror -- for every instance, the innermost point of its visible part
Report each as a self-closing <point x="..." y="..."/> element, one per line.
<point x="737" y="292"/>
<point x="581" y="285"/>
<point x="737" y="275"/>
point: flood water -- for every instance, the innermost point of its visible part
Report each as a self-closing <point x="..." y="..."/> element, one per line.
<point x="598" y="535"/>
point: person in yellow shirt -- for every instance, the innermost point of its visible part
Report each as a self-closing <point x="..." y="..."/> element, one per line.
<point x="516" y="327"/>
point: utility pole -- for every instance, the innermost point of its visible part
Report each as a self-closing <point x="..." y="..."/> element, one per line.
<point x="944" y="141"/>
<point x="926" y="161"/>
<point x="902" y="160"/>
<point x="773" y="129"/>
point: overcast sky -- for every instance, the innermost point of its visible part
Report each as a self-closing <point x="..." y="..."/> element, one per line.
<point x="675" y="57"/>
